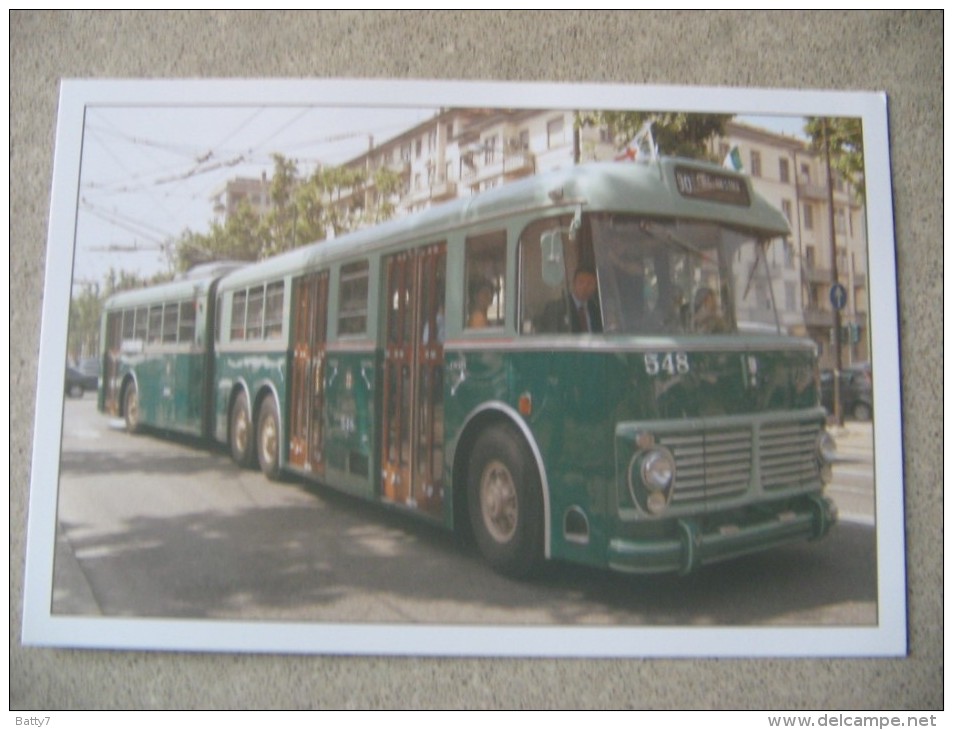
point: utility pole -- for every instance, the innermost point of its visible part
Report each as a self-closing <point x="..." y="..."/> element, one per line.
<point x="835" y="283"/>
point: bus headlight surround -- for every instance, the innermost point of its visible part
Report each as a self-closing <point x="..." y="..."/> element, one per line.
<point x="826" y="455"/>
<point x="652" y="478"/>
<point x="658" y="469"/>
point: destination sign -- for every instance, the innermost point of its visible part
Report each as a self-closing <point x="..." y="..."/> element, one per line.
<point x="713" y="186"/>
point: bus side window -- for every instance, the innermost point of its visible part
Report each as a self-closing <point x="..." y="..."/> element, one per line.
<point x="543" y="303"/>
<point x="485" y="274"/>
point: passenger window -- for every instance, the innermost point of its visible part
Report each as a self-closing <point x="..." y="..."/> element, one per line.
<point x="485" y="273"/>
<point x="256" y="306"/>
<point x="274" y="310"/>
<point x="187" y="322"/>
<point x="352" y="299"/>
<point x="237" y="331"/>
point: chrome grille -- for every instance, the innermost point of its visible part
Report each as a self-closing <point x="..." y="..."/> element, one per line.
<point x="787" y="453"/>
<point x="719" y="463"/>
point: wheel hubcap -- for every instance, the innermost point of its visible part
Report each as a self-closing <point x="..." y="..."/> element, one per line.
<point x="241" y="430"/>
<point x="269" y="440"/>
<point x="498" y="501"/>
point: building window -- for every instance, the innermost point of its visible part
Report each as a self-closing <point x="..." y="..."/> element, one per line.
<point x="788" y="254"/>
<point x="786" y="209"/>
<point x="489" y="150"/>
<point x="806" y="172"/>
<point x="790" y="296"/>
<point x="810" y="256"/>
<point x="555" y="136"/>
<point x="783" y="170"/>
<point x="755" y="164"/>
<point x="809" y="216"/>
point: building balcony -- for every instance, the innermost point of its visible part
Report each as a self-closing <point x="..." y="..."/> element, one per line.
<point x="502" y="165"/>
<point x="436" y="192"/>
<point x="817" y="274"/>
<point x="818" y="317"/>
<point x="812" y="190"/>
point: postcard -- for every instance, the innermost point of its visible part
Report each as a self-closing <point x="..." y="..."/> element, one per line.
<point x="468" y="369"/>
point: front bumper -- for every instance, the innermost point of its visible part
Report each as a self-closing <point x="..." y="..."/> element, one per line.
<point x="697" y="545"/>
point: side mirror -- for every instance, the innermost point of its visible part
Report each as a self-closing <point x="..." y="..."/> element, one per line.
<point x="552" y="262"/>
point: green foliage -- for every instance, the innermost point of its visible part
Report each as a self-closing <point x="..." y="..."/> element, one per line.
<point x="845" y="137"/>
<point x="675" y="133"/>
<point x="331" y="201"/>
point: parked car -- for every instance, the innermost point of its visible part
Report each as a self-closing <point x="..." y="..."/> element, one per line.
<point x="90" y="366"/>
<point x="77" y="383"/>
<point x="856" y="391"/>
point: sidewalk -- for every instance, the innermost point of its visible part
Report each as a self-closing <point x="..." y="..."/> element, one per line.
<point x="854" y="439"/>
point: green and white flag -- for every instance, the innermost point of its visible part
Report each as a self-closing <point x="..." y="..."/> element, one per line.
<point x="733" y="160"/>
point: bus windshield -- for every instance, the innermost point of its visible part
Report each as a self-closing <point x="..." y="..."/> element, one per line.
<point x="679" y="277"/>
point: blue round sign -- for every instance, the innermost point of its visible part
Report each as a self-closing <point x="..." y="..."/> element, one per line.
<point x="838" y="296"/>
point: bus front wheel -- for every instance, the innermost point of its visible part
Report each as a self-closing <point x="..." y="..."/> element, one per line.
<point x="131" y="408"/>
<point x="504" y="497"/>
<point x="241" y="436"/>
<point x="269" y="439"/>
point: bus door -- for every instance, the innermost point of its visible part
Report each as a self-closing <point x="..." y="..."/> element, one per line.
<point x="412" y="426"/>
<point x="307" y="372"/>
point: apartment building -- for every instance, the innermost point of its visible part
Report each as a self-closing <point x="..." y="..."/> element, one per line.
<point x="794" y="178"/>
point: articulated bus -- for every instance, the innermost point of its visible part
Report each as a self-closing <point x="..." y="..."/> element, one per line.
<point x="583" y="365"/>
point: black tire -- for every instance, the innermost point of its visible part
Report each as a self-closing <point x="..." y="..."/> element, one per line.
<point x="76" y="391"/>
<point x="241" y="433"/>
<point x="130" y="408"/>
<point x="269" y="439"/>
<point x="504" y="496"/>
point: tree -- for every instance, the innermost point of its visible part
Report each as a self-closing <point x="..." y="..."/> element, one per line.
<point x="85" y="311"/>
<point x="675" y="133"/>
<point x="845" y="140"/>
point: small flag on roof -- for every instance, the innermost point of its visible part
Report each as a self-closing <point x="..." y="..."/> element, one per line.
<point x="641" y="148"/>
<point x="733" y="160"/>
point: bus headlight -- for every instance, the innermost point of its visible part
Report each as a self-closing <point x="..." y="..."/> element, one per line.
<point x="658" y="469"/>
<point x="826" y="455"/>
<point x="652" y="478"/>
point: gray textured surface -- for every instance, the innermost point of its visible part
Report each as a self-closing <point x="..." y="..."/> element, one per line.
<point x="897" y="52"/>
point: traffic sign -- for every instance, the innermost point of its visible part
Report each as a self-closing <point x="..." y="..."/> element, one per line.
<point x="838" y="296"/>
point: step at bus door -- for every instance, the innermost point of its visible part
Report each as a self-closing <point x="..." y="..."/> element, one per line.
<point x="412" y="426"/>
<point x="306" y="450"/>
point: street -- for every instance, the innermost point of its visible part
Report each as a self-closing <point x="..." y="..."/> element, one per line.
<point x="156" y="526"/>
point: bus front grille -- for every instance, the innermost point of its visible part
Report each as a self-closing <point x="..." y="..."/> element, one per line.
<point x="721" y="463"/>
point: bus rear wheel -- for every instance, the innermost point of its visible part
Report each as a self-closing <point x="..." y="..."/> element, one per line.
<point x="241" y="436"/>
<point x="130" y="408"/>
<point x="504" y="497"/>
<point x="269" y="439"/>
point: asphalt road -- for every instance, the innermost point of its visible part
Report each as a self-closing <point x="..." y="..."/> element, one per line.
<point x="152" y="526"/>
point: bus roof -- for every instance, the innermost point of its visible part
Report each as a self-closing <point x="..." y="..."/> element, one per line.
<point x="178" y="290"/>
<point x="668" y="187"/>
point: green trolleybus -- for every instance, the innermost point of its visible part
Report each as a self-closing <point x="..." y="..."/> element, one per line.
<point x="583" y="365"/>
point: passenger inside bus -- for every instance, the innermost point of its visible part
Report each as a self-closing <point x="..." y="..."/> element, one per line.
<point x="705" y="318"/>
<point x="481" y="296"/>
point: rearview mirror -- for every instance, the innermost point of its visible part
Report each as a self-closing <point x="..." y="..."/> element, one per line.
<point x="553" y="266"/>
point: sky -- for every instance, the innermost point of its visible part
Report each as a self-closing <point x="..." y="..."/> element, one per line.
<point x="148" y="173"/>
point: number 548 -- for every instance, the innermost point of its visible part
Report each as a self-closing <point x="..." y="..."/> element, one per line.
<point x="668" y="362"/>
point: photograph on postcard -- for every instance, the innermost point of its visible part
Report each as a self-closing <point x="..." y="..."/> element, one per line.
<point x="388" y="361"/>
